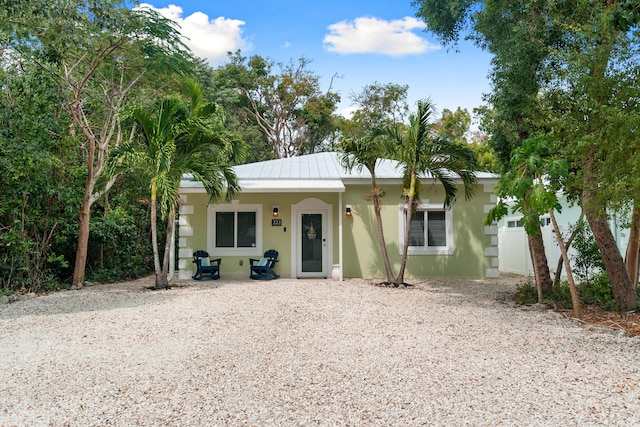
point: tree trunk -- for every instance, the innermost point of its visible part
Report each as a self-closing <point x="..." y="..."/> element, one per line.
<point x="633" y="247"/>
<point x="83" y="242"/>
<point x="407" y="230"/>
<point x="621" y="285"/>
<point x="164" y="276"/>
<point x="383" y="246"/>
<point x="595" y="211"/>
<point x="558" y="275"/>
<point x="540" y="263"/>
<point x="535" y="272"/>
<point x="575" y="298"/>
<point x="154" y="237"/>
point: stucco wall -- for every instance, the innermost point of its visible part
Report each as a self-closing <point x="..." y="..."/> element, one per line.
<point x="193" y="231"/>
<point x="475" y="251"/>
<point x="475" y="246"/>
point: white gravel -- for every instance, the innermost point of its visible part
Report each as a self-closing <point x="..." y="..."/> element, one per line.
<point x="301" y="352"/>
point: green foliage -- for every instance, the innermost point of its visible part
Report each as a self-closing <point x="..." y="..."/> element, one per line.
<point x="37" y="177"/>
<point x="119" y="243"/>
<point x="587" y="258"/>
<point x="486" y="157"/>
<point x="278" y="107"/>
<point x="567" y="71"/>
<point x="454" y="124"/>
<point x="597" y="290"/>
<point x="378" y="105"/>
<point x="594" y="291"/>
<point x="527" y="294"/>
<point x="52" y="54"/>
<point x="532" y="180"/>
<point x="561" y="295"/>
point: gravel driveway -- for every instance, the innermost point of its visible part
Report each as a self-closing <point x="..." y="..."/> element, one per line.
<point x="300" y="352"/>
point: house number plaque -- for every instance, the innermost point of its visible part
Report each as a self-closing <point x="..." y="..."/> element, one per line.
<point x="276" y="223"/>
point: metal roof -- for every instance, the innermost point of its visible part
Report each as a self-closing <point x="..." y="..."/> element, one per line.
<point x="320" y="172"/>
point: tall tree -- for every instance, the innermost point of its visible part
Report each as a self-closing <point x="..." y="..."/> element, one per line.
<point x="178" y="137"/>
<point x="454" y="124"/>
<point x="376" y="106"/>
<point x="517" y="35"/>
<point x="283" y="100"/>
<point x="457" y="125"/>
<point x="100" y="52"/>
<point x="532" y="182"/>
<point x="595" y="105"/>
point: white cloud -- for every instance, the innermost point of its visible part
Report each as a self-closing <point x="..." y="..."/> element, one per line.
<point x="210" y="39"/>
<point x="373" y="35"/>
<point x="348" y="112"/>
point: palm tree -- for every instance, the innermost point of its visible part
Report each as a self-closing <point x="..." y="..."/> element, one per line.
<point x="366" y="152"/>
<point x="421" y="152"/>
<point x="180" y="137"/>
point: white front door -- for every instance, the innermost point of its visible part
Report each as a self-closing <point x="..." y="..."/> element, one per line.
<point x="311" y="235"/>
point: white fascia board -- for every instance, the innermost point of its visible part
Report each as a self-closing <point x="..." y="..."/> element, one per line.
<point x="274" y="186"/>
<point x="291" y="186"/>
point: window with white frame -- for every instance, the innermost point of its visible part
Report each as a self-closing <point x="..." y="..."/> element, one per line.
<point x="234" y="229"/>
<point x="431" y="231"/>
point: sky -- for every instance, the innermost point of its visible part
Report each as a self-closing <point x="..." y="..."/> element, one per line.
<point x="350" y="43"/>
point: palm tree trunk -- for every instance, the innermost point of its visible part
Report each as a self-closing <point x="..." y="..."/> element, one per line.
<point x="383" y="245"/>
<point x="407" y="230"/>
<point x="164" y="276"/>
<point x="154" y="236"/>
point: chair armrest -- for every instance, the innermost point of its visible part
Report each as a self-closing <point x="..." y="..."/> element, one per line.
<point x="253" y="261"/>
<point x="216" y="261"/>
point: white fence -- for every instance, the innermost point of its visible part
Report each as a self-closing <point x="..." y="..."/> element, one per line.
<point x="514" y="256"/>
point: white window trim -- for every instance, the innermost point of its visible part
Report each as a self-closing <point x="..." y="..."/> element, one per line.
<point x="211" y="229"/>
<point x="427" y="250"/>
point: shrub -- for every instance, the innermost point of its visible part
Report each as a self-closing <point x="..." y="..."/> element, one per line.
<point x="526" y="292"/>
<point x="597" y="290"/>
<point x="561" y="296"/>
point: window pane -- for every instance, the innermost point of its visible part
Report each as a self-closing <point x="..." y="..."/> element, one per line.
<point x="437" y="228"/>
<point x="416" y="233"/>
<point x="224" y="229"/>
<point x="246" y="229"/>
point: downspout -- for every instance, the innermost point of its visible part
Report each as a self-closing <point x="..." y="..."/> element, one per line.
<point x="340" y="215"/>
<point x="172" y="253"/>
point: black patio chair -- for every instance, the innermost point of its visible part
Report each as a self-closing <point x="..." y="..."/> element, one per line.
<point x="262" y="269"/>
<point x="205" y="266"/>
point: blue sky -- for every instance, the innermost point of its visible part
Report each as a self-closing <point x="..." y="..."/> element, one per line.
<point x="361" y="41"/>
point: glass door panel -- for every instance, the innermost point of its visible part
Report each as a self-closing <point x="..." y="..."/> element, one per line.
<point x="312" y="243"/>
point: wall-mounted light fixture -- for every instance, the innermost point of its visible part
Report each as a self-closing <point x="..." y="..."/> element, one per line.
<point x="275" y="210"/>
<point x="347" y="210"/>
